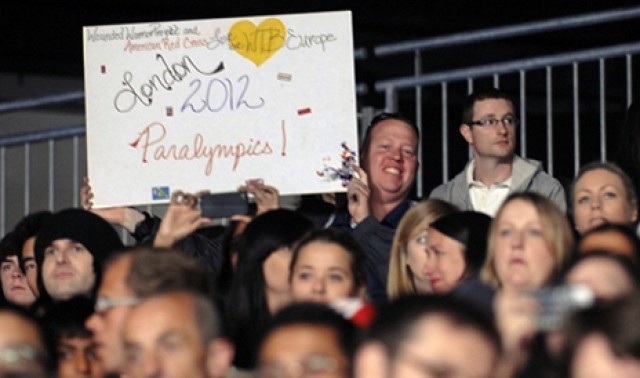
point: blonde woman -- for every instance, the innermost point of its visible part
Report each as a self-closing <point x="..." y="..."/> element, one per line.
<point x="529" y="240"/>
<point x="408" y="252"/>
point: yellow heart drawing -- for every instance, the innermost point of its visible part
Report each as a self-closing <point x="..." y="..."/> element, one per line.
<point x="257" y="43"/>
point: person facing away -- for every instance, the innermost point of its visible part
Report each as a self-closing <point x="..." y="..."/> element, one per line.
<point x="489" y="125"/>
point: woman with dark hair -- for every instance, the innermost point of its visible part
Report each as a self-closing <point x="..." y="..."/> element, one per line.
<point x="328" y="267"/>
<point x="260" y="286"/>
<point x="457" y="248"/>
<point x="408" y="251"/>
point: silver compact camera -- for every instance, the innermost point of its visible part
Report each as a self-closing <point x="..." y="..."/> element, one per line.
<point x="559" y="302"/>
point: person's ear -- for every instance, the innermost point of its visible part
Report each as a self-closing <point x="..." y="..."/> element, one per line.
<point x="220" y="354"/>
<point x="465" y="131"/>
<point x="371" y="361"/>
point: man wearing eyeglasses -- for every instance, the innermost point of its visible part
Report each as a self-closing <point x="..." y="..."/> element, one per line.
<point x="489" y="125"/>
<point x="175" y="335"/>
<point x="23" y="350"/>
<point x="128" y="278"/>
<point x="307" y="340"/>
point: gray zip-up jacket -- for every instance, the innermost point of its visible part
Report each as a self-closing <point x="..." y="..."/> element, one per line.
<point x="527" y="175"/>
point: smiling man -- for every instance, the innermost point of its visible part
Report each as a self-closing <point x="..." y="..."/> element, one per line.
<point x="489" y="125"/>
<point x="379" y="196"/>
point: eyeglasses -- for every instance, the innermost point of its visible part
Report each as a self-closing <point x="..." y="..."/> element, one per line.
<point x="493" y="122"/>
<point x="103" y="303"/>
<point x="20" y="355"/>
<point x="309" y="367"/>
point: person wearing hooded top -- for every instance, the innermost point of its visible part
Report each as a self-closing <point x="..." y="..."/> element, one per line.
<point x="456" y="250"/>
<point x="489" y="125"/>
<point x="70" y="250"/>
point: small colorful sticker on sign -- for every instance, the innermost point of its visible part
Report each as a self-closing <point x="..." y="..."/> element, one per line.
<point x="160" y="193"/>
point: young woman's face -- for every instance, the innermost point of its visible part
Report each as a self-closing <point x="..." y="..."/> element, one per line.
<point x="599" y="196"/>
<point x="416" y="249"/>
<point x="322" y="273"/>
<point x="522" y="257"/>
<point x="445" y="261"/>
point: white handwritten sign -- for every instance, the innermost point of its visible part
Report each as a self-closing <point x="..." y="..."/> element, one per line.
<point x="209" y="104"/>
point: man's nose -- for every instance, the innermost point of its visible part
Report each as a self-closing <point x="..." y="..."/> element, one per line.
<point x="396" y="153"/>
<point x="16" y="272"/>
<point x="62" y="256"/>
<point x="93" y="322"/>
<point x="81" y="363"/>
<point x="151" y="366"/>
<point x="501" y="128"/>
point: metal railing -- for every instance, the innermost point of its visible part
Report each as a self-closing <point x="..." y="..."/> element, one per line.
<point x="32" y="162"/>
<point x="435" y="86"/>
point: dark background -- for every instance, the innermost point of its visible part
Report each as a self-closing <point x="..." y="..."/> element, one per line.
<point x="45" y="38"/>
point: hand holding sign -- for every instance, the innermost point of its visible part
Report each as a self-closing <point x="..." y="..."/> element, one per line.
<point x="209" y="104"/>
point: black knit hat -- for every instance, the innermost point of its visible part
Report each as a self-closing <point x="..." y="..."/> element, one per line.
<point x="470" y="228"/>
<point x="96" y="234"/>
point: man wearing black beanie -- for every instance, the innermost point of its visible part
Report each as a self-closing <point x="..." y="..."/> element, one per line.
<point x="70" y="249"/>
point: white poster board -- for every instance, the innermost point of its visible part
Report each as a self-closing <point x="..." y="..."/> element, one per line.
<point x="209" y="104"/>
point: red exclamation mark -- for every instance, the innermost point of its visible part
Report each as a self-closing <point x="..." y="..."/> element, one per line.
<point x="284" y="139"/>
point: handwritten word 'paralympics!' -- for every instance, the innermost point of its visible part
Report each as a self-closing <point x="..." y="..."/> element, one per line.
<point x="152" y="142"/>
<point x="270" y="39"/>
<point x="127" y="98"/>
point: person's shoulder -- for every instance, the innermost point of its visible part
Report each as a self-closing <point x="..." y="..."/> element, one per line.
<point x="526" y="166"/>
<point x="444" y="191"/>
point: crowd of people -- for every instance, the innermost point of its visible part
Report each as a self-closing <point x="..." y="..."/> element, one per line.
<point x="498" y="273"/>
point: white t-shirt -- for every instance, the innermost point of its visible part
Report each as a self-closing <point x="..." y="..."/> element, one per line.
<point x="486" y="199"/>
